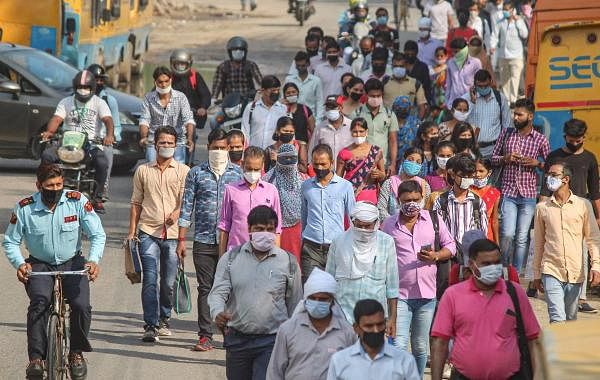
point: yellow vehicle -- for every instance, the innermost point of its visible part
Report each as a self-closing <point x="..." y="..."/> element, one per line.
<point x="113" y="33"/>
<point x="563" y="67"/>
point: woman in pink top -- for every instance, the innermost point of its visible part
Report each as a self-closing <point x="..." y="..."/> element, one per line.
<point x="361" y="163"/>
<point x="437" y="179"/>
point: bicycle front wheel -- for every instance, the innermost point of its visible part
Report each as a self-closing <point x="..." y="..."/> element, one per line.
<point x="55" y="354"/>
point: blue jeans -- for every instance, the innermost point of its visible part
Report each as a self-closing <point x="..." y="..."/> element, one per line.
<point x="561" y="298"/>
<point x="414" y="318"/>
<point x="157" y="255"/>
<point x="247" y="356"/>
<point x="517" y="214"/>
<point x="180" y="153"/>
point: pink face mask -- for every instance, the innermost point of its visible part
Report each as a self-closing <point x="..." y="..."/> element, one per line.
<point x="375" y="101"/>
<point x="262" y="241"/>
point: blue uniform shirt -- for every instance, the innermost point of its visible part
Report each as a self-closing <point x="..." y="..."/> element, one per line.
<point x="53" y="237"/>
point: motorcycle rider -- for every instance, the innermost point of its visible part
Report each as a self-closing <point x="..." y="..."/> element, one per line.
<point x="381" y="25"/>
<point x="237" y="74"/>
<point x="358" y="12"/>
<point x="101" y="77"/>
<point x="191" y="83"/>
<point x="362" y="62"/>
<point x="85" y="112"/>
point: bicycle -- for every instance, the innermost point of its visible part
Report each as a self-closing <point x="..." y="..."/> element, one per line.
<point x="57" y="349"/>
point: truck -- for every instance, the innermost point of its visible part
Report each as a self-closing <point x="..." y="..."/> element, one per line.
<point x="112" y="33"/>
<point x="563" y="68"/>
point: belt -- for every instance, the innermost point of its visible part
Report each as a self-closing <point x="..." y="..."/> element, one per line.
<point x="485" y="144"/>
<point x="322" y="247"/>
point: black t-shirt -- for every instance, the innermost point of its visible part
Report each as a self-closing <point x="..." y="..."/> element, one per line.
<point x="585" y="181"/>
<point x="420" y="72"/>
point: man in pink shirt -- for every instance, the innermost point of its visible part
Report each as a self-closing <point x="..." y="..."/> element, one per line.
<point x="241" y="197"/>
<point x="481" y="317"/>
<point x="420" y="245"/>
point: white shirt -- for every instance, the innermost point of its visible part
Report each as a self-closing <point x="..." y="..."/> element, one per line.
<point x="337" y="139"/>
<point x="439" y="14"/>
<point x="264" y="121"/>
<point x="331" y="77"/>
<point x="506" y="38"/>
<point x="83" y="117"/>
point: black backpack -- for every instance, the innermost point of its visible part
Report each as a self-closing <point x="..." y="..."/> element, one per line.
<point x="443" y="199"/>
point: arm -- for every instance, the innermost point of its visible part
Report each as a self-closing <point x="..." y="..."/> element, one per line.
<point x="539" y="236"/>
<point x="497" y="153"/>
<point x="217" y="84"/>
<point x="494" y="38"/>
<point x="304" y="206"/>
<point x="219" y="294"/>
<point x="277" y="209"/>
<point x="393" y="144"/>
<point x="340" y="165"/>
<point x="202" y="91"/>
<point x="186" y="209"/>
<point x="496" y="220"/>
<point x="446" y="240"/>
<point x="294" y="290"/>
<point x="136" y="203"/>
<point x="92" y="227"/>
<point x="256" y="73"/>
<point x="439" y="355"/>
<point x="279" y="357"/>
<point x="116" y="117"/>
<point x="110" y="131"/>
<point x="384" y="199"/>
<point x="593" y="184"/>
<point x="522" y="28"/>
<point x="246" y="122"/>
<point x="144" y="121"/>
<point x="591" y="234"/>
<point x="350" y="200"/>
<point x="320" y="101"/>
<point x="223" y="241"/>
<point x="13" y="237"/>
<point x="303" y="158"/>
<point x="310" y="125"/>
<point x="391" y="285"/>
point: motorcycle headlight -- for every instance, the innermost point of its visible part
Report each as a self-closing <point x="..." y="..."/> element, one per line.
<point x="70" y="154"/>
<point x="233" y="111"/>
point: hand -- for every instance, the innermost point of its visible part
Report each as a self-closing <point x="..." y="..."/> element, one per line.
<point x="180" y="250"/>
<point x="190" y="145"/>
<point x="594" y="278"/>
<point x="109" y="140"/>
<point x="473" y="95"/>
<point x="390" y="328"/>
<point x="172" y="218"/>
<point x="222" y="319"/>
<point x="427" y="255"/>
<point x="538" y="285"/>
<point x="94" y="270"/>
<point x="492" y="51"/>
<point x="201" y="112"/>
<point x="132" y="236"/>
<point x="46" y="135"/>
<point x="23" y="272"/>
<point x="530" y="162"/>
<point x="512" y="158"/>
<point x="391" y="170"/>
<point x="377" y="174"/>
<point x="143" y="142"/>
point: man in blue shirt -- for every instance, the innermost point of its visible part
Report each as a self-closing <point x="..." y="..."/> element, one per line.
<point x="50" y="221"/>
<point x="326" y="199"/>
<point x="371" y="357"/>
<point x="203" y="195"/>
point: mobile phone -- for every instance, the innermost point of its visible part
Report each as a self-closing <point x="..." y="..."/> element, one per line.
<point x="426" y="248"/>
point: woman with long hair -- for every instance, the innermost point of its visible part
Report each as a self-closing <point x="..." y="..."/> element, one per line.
<point x="460" y="112"/>
<point x="285" y="133"/>
<point x="465" y="139"/>
<point x="356" y="94"/>
<point x="428" y="136"/>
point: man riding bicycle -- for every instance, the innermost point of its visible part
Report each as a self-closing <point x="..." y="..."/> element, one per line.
<point x="50" y="221"/>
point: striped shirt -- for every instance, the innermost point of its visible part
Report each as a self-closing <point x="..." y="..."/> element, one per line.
<point x="516" y="178"/>
<point x="459" y="216"/>
<point x="176" y="114"/>
<point x="485" y="114"/>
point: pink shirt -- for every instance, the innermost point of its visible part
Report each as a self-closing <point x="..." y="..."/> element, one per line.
<point x="417" y="278"/>
<point x="483" y="330"/>
<point x="238" y="200"/>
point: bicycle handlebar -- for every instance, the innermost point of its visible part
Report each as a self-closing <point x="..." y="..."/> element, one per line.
<point x="83" y="272"/>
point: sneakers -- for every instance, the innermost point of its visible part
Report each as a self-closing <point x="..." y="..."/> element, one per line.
<point x="163" y="327"/>
<point x="78" y="366"/>
<point x="585" y="307"/>
<point x="35" y="370"/>
<point x="205" y="343"/>
<point x="99" y="207"/>
<point x="150" y="334"/>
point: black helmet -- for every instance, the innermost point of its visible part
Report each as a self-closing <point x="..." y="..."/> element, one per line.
<point x="237" y="43"/>
<point x="181" y="62"/>
<point x="84" y="79"/>
<point x="98" y="71"/>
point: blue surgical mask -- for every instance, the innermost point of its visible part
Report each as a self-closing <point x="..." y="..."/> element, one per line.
<point x="317" y="309"/>
<point x="506" y="14"/>
<point x="382" y="20"/>
<point x="411" y="168"/>
<point x="489" y="274"/>
<point x="483" y="91"/>
<point x="399" y="72"/>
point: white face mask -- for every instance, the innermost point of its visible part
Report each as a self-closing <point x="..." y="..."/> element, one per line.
<point x="465" y="183"/>
<point x="553" y="183"/>
<point x="442" y="161"/>
<point x="252" y="176"/>
<point x="292" y="99"/>
<point x="359" y="140"/>
<point x="163" y="91"/>
<point x="361" y="235"/>
<point x="84" y="91"/>
<point x="459" y="115"/>
<point x="237" y="55"/>
<point x="332" y="115"/>
<point x="424" y="34"/>
<point x="489" y="274"/>
<point x="165" y="152"/>
<point x="217" y="159"/>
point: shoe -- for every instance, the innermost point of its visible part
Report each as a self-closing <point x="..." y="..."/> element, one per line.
<point x="205" y="343"/>
<point x="586" y="308"/>
<point x="163" y="327"/>
<point x="77" y="366"/>
<point x="150" y="334"/>
<point x="99" y="207"/>
<point x="447" y="371"/>
<point x="531" y="291"/>
<point x="252" y="7"/>
<point x="35" y="370"/>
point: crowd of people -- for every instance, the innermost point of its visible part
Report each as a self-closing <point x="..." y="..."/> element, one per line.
<point x="392" y="195"/>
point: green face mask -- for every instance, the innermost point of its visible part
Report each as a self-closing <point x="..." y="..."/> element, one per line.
<point x="461" y="57"/>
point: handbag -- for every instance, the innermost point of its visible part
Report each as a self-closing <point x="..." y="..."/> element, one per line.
<point x="133" y="262"/>
<point x="182" y="302"/>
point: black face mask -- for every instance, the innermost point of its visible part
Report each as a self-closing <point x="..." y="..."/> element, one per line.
<point x="274" y="96"/>
<point x="378" y="69"/>
<point x="573" y="147"/>
<point x="403" y="114"/>
<point x="373" y="339"/>
<point x="51" y="197"/>
<point x="333" y="59"/>
<point x="433" y="141"/>
<point x="411" y="60"/>
<point x="463" y="144"/>
<point x="312" y="52"/>
<point x="520" y="125"/>
<point x="99" y="88"/>
<point x="235" y="155"/>
<point x="302" y="71"/>
<point x="365" y="52"/>
<point x="322" y="173"/>
<point x="286" y="137"/>
<point x="355" y="96"/>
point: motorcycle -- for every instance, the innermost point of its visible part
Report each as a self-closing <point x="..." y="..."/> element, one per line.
<point x="78" y="175"/>
<point x="351" y="41"/>
<point x="229" y="116"/>
<point x="303" y="9"/>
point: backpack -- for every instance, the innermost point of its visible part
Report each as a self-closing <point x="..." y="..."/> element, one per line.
<point x="443" y="199"/>
<point x="443" y="267"/>
<point x="193" y="79"/>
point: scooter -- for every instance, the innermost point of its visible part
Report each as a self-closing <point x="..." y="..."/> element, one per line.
<point x="351" y="42"/>
<point x="229" y="116"/>
<point x="78" y="174"/>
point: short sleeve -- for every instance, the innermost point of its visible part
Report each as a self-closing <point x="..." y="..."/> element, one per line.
<point x="137" y="197"/>
<point x="61" y="109"/>
<point x="103" y="109"/>
<point x="443" y="324"/>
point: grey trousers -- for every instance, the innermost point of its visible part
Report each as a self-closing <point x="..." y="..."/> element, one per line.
<point x="312" y="255"/>
<point x="206" y="257"/>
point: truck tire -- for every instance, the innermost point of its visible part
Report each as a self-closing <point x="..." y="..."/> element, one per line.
<point x="125" y="64"/>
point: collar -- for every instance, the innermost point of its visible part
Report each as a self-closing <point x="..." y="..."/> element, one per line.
<point x="205" y="166"/>
<point x="243" y="183"/>
<point x="357" y="349"/>
<point x="423" y="216"/>
<point x="334" y="179"/>
<point x="154" y="164"/>
<point x="500" y="286"/>
<point x="553" y="199"/>
<point x="39" y="205"/>
<point x="451" y="196"/>
<point x="304" y="320"/>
